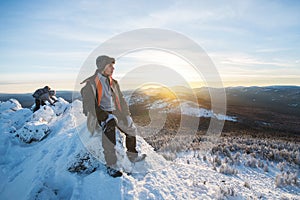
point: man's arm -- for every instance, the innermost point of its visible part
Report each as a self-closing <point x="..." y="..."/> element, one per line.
<point x="53" y="98"/>
<point x="46" y="97"/>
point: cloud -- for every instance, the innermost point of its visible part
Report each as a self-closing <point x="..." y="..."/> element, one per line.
<point x="272" y="50"/>
<point x="248" y="60"/>
<point x="65" y="55"/>
<point x="183" y="14"/>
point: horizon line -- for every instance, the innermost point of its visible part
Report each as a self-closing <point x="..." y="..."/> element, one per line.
<point x="239" y="86"/>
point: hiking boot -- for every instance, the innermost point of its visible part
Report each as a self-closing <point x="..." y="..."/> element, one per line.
<point x="113" y="172"/>
<point x="135" y="157"/>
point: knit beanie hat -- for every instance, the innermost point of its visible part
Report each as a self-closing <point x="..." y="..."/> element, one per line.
<point x="102" y="61"/>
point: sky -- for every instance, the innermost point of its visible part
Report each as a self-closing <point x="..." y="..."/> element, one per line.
<point x="250" y="42"/>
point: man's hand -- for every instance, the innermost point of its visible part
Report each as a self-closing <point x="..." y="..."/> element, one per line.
<point x="110" y="119"/>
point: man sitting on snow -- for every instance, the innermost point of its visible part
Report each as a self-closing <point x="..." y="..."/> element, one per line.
<point x="111" y="111"/>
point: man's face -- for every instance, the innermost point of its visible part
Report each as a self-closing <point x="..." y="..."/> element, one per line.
<point x="109" y="69"/>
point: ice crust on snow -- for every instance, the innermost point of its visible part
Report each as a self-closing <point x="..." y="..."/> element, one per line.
<point x="68" y="164"/>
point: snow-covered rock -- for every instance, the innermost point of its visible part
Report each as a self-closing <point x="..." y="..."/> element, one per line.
<point x="12" y="116"/>
<point x="10" y="105"/>
<point x="33" y="131"/>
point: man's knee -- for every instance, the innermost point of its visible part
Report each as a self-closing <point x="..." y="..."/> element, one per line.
<point x="110" y="126"/>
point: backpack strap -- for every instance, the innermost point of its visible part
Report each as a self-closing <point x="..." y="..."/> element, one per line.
<point x="98" y="90"/>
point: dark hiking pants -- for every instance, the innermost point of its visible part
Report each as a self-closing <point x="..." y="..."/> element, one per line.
<point x="109" y="143"/>
<point x="38" y="104"/>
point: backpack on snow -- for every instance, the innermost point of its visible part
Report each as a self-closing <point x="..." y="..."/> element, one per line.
<point x="38" y="93"/>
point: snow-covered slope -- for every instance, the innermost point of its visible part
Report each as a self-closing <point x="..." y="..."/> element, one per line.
<point x="39" y="152"/>
<point x="49" y="154"/>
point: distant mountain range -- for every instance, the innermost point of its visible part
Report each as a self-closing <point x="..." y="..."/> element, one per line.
<point x="272" y="108"/>
<point x="276" y="107"/>
<point x="283" y="99"/>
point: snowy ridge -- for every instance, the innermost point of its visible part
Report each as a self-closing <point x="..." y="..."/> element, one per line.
<point x="60" y="164"/>
<point x="40" y="169"/>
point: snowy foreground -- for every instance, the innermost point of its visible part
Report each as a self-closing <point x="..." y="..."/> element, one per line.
<point x="51" y="155"/>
